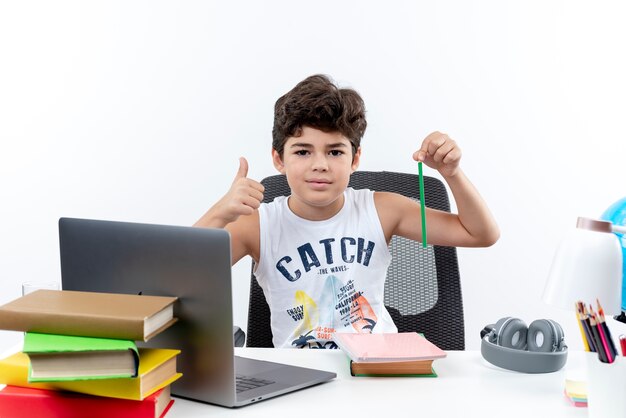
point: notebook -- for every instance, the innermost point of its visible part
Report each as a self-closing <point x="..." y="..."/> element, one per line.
<point x="387" y="347"/>
<point x="192" y="264"/>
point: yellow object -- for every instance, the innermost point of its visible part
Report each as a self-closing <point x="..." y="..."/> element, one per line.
<point x="582" y="333"/>
<point x="580" y="319"/>
<point x="157" y="369"/>
<point x="576" y="389"/>
<point x="310" y="311"/>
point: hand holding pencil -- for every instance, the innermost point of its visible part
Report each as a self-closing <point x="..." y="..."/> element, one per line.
<point x="473" y="225"/>
<point x="440" y="152"/>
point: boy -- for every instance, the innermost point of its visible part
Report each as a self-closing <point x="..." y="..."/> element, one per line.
<point x="322" y="252"/>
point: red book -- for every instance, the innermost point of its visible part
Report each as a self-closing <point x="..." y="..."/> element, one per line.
<point x="20" y="402"/>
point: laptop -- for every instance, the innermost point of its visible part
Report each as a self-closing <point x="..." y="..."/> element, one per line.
<point x="193" y="264"/>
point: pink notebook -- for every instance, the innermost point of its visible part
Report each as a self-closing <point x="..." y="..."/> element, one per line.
<point x="404" y="346"/>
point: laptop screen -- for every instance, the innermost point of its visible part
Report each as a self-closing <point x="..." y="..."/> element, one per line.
<point x="190" y="263"/>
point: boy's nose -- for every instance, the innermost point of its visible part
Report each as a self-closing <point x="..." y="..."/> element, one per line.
<point x="320" y="163"/>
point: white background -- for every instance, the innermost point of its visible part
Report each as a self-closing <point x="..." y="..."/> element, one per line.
<point x="139" y="110"/>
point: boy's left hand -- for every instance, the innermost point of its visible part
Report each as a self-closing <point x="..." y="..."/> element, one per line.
<point x="440" y="152"/>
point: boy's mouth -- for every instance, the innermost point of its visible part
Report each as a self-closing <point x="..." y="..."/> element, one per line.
<point x="318" y="183"/>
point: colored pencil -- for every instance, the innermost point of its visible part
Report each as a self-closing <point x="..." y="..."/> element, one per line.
<point x="602" y="354"/>
<point x="585" y="319"/>
<point x="609" y="356"/>
<point x="422" y="204"/>
<point x="583" y="332"/>
<point x="605" y="328"/>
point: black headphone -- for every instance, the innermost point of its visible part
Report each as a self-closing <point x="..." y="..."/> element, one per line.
<point x="538" y="348"/>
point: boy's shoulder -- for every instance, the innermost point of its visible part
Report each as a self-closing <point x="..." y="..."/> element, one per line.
<point x="390" y="203"/>
<point x="277" y="201"/>
<point x="275" y="207"/>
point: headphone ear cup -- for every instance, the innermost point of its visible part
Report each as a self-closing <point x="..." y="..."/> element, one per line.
<point x="495" y="330"/>
<point x="551" y="336"/>
<point x="512" y="333"/>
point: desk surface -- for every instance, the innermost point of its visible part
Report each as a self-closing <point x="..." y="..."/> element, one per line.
<point x="467" y="384"/>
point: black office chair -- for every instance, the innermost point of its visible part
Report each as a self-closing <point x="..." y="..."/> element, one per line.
<point x="422" y="290"/>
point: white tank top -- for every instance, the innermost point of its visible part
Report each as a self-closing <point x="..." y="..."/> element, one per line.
<point x="322" y="277"/>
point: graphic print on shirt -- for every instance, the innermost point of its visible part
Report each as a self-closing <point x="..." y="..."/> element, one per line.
<point x="306" y="312"/>
<point x="340" y="306"/>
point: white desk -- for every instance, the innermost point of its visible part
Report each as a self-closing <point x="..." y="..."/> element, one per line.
<point x="467" y="385"/>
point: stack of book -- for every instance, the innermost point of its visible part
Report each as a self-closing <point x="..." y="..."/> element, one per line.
<point x="80" y="357"/>
<point x="576" y="392"/>
<point x="389" y="354"/>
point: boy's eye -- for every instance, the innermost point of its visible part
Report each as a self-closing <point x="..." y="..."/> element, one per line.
<point x="302" y="152"/>
<point x="336" y="153"/>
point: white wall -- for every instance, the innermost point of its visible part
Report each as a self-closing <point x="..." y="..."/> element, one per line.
<point x="138" y="111"/>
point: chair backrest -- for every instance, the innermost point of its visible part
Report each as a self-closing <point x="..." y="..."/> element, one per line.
<point x="422" y="290"/>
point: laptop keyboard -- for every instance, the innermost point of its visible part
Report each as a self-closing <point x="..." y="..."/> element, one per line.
<point x="246" y="383"/>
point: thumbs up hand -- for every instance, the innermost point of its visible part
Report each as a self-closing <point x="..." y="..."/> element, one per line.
<point x="245" y="195"/>
<point x="243" y="198"/>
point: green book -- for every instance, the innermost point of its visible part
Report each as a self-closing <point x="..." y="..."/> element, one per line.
<point x="61" y="357"/>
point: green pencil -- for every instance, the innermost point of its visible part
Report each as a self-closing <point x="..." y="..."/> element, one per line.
<point x="423" y="205"/>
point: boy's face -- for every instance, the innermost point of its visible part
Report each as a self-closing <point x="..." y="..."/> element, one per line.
<point x="318" y="165"/>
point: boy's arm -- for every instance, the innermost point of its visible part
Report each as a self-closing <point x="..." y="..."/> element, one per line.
<point x="237" y="212"/>
<point x="473" y="226"/>
<point x="479" y="226"/>
<point x="244" y="237"/>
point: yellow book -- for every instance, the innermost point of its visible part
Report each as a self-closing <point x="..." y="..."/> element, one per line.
<point x="157" y="369"/>
<point x="576" y="389"/>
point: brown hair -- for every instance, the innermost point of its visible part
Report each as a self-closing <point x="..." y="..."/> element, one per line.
<point x="317" y="102"/>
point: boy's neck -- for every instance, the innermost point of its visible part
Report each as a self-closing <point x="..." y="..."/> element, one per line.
<point x="315" y="213"/>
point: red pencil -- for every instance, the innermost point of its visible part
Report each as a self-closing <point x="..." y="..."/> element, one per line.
<point x="602" y="354"/>
<point x="605" y="328"/>
<point x="609" y="356"/>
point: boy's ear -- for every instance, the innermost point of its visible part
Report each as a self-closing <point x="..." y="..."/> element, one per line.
<point x="356" y="159"/>
<point x="278" y="162"/>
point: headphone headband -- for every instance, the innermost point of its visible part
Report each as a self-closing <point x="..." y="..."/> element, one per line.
<point x="522" y="360"/>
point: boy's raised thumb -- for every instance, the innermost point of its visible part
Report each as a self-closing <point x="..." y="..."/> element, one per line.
<point x="243" y="168"/>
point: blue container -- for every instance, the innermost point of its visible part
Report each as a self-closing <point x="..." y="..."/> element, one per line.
<point x="616" y="213"/>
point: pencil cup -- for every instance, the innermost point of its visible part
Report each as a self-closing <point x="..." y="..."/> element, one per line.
<point x="29" y="287"/>
<point x="606" y="386"/>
